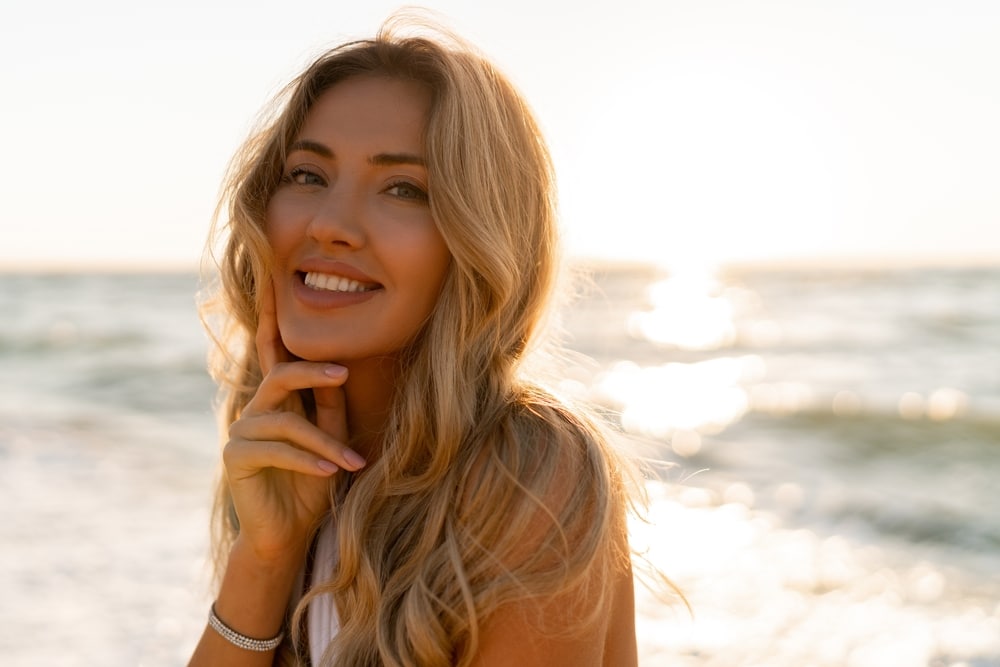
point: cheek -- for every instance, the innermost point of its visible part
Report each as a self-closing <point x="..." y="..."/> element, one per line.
<point x="433" y="265"/>
<point x="284" y="222"/>
<point x="443" y="267"/>
<point x="274" y="231"/>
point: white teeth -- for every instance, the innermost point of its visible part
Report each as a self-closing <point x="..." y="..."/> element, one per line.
<point x="326" y="281"/>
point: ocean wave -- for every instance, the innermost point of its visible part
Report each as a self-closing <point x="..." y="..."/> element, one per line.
<point x="67" y="339"/>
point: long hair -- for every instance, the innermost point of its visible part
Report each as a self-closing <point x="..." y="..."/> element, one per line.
<point x="467" y="507"/>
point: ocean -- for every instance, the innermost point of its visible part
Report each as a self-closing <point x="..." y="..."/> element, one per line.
<point x="821" y="450"/>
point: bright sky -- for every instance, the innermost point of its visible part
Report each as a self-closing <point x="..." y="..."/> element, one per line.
<point x="683" y="130"/>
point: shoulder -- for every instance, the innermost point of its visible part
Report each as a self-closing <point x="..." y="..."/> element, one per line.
<point x="563" y="539"/>
<point x="561" y="632"/>
<point x="540" y="452"/>
<point x="541" y="520"/>
<point x="552" y="429"/>
<point x="569" y="441"/>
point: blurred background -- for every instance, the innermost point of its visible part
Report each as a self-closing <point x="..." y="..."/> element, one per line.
<point x="789" y="216"/>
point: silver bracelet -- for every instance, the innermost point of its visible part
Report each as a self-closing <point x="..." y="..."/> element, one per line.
<point x="236" y="639"/>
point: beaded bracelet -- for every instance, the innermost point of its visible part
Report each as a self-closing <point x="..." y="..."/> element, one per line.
<point x="237" y="639"/>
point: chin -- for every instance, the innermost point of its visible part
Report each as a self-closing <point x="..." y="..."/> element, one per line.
<point x="310" y="356"/>
<point x="307" y="349"/>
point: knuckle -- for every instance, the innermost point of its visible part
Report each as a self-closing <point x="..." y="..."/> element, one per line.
<point x="284" y="421"/>
<point x="282" y="376"/>
<point x="234" y="431"/>
<point x="280" y="369"/>
<point x="269" y="449"/>
<point x="229" y="451"/>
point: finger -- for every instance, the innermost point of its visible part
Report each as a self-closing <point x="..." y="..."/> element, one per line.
<point x="331" y="411"/>
<point x="285" y="378"/>
<point x="270" y="348"/>
<point x="245" y="458"/>
<point x="299" y="432"/>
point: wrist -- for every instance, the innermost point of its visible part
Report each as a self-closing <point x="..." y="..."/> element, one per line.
<point x="238" y="639"/>
<point x="255" y="592"/>
<point x="267" y="563"/>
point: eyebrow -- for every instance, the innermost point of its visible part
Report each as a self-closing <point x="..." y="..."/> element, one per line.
<point x="380" y="160"/>
<point x="390" y="159"/>
<point x="312" y="147"/>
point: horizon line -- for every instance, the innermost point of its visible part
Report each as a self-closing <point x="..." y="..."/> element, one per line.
<point x="860" y="261"/>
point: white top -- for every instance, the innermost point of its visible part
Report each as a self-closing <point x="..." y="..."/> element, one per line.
<point x="322" y="620"/>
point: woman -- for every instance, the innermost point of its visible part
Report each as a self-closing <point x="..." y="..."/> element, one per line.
<point x="396" y="490"/>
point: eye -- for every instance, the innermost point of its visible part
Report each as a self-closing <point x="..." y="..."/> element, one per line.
<point x="407" y="191"/>
<point x="303" y="176"/>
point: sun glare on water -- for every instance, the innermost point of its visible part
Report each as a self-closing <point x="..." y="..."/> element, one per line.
<point x="680" y="401"/>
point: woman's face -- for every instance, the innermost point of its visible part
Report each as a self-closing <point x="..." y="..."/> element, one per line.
<point x="359" y="261"/>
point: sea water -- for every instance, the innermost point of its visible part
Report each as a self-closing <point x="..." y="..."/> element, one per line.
<point x="821" y="451"/>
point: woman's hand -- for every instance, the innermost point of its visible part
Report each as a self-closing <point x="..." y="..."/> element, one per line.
<point x="279" y="463"/>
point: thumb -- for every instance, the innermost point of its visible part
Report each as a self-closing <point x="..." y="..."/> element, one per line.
<point x="331" y="412"/>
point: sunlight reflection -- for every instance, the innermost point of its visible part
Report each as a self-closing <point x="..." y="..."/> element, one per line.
<point x="693" y="309"/>
<point x="846" y="403"/>
<point x="781" y="398"/>
<point x="685" y="443"/>
<point x="739" y="493"/>
<point x="943" y="404"/>
<point x="680" y="400"/>
<point x="749" y="579"/>
<point x="947" y="403"/>
<point x="689" y="311"/>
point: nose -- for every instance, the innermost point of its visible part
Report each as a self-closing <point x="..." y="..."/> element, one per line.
<point x="338" y="217"/>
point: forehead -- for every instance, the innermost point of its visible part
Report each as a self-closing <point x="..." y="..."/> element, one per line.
<point x="370" y="107"/>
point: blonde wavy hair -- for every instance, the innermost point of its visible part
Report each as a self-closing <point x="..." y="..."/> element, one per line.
<point x="468" y="508"/>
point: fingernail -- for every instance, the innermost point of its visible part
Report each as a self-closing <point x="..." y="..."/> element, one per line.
<point x="334" y="371"/>
<point x="354" y="458"/>
<point x="327" y="466"/>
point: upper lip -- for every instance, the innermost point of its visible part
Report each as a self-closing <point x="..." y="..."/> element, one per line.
<point x="336" y="269"/>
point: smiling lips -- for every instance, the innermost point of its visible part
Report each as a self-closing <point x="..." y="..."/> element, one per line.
<point x="334" y="283"/>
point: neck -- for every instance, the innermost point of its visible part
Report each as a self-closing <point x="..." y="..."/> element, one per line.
<point x="368" y="393"/>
